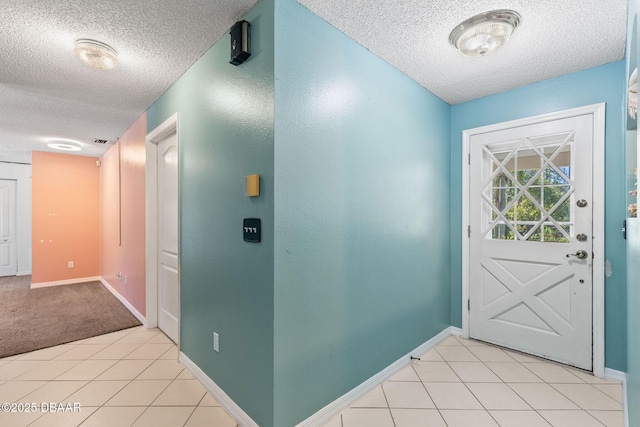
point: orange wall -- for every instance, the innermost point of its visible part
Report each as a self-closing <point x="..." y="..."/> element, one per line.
<point x="122" y="178"/>
<point x="66" y="217"/>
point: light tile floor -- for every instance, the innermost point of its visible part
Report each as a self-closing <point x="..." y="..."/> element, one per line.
<point x="465" y="383"/>
<point x="133" y="378"/>
<point x="126" y="378"/>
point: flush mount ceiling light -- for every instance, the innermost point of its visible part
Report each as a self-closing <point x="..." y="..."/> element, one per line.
<point x="64" y="147"/>
<point x="485" y="33"/>
<point x="64" y="144"/>
<point x="96" y="54"/>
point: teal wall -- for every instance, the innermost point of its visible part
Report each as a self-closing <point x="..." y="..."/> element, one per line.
<point x="633" y="368"/>
<point x="600" y="84"/>
<point x="633" y="245"/>
<point x="361" y="214"/>
<point x="225" y="133"/>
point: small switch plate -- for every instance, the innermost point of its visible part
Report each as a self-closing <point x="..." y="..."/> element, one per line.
<point x="70" y="264"/>
<point x="216" y="342"/>
<point x="251" y="230"/>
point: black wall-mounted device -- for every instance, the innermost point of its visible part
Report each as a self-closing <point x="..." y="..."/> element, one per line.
<point x="240" y="42"/>
<point x="251" y="230"/>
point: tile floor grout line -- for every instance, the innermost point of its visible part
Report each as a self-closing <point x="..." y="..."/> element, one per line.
<point x="576" y="403"/>
<point x="465" y="384"/>
<point x="190" y="415"/>
<point x="28" y="393"/>
<point x="388" y="406"/>
<point x="581" y="410"/>
<point x="81" y="362"/>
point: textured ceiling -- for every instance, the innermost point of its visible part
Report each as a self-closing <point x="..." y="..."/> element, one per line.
<point x="45" y="92"/>
<point x="554" y="38"/>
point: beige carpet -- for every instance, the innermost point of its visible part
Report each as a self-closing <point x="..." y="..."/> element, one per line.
<point x="31" y="319"/>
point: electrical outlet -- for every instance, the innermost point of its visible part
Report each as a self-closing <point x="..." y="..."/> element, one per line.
<point x="70" y="264"/>
<point x="216" y="342"/>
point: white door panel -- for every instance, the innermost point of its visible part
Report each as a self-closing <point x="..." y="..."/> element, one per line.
<point x="527" y="289"/>
<point x="8" y="262"/>
<point x="168" y="270"/>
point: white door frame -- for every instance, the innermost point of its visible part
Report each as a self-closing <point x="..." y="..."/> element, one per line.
<point x="165" y="129"/>
<point x="598" y="112"/>
<point x="13" y="224"/>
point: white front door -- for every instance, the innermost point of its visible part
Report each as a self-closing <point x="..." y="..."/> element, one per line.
<point x="531" y="217"/>
<point x="168" y="274"/>
<point x="8" y="263"/>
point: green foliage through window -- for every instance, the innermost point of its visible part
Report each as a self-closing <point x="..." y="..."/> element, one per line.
<point x="546" y="191"/>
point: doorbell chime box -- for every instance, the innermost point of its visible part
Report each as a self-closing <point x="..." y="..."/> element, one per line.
<point x="240" y="42"/>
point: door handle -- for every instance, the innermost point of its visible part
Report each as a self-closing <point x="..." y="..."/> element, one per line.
<point x="580" y="254"/>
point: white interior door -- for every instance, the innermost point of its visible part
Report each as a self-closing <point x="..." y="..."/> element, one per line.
<point x="168" y="272"/>
<point x="531" y="218"/>
<point x="8" y="263"/>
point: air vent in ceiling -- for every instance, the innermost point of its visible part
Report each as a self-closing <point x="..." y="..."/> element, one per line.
<point x="101" y="141"/>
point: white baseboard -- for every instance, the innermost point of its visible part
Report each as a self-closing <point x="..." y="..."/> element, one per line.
<point x="124" y="302"/>
<point x="613" y="374"/>
<point x="346" y="400"/>
<point x="64" y="282"/>
<point x="227" y="403"/>
<point x="456" y="332"/>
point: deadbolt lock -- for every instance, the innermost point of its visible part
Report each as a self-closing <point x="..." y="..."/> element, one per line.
<point x="581" y="203"/>
<point x="581" y="237"/>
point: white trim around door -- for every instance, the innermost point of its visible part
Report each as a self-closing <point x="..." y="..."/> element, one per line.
<point x="598" y="112"/>
<point x="165" y="129"/>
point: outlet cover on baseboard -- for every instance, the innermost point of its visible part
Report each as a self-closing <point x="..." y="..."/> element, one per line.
<point x="216" y="342"/>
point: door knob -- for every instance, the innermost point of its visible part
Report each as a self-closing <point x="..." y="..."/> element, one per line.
<point x="580" y="254"/>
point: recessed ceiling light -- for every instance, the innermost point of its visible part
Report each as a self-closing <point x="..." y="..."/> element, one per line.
<point x="64" y="147"/>
<point x="485" y="33"/>
<point x="97" y="55"/>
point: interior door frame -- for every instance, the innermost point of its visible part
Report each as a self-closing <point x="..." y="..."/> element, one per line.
<point x="13" y="224"/>
<point x="598" y="112"/>
<point x="152" y="139"/>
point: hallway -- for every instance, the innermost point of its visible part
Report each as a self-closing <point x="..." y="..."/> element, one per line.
<point x="129" y="377"/>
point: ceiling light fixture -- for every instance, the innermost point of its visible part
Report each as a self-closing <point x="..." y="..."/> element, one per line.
<point x="485" y="33"/>
<point x="96" y="54"/>
<point x="64" y="147"/>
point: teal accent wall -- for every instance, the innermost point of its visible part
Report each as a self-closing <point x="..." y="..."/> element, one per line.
<point x="361" y="214"/>
<point x="605" y="83"/>
<point x="633" y="341"/>
<point x="225" y="133"/>
<point x="633" y="243"/>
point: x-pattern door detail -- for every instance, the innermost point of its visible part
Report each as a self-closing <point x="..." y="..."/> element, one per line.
<point x="547" y="170"/>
